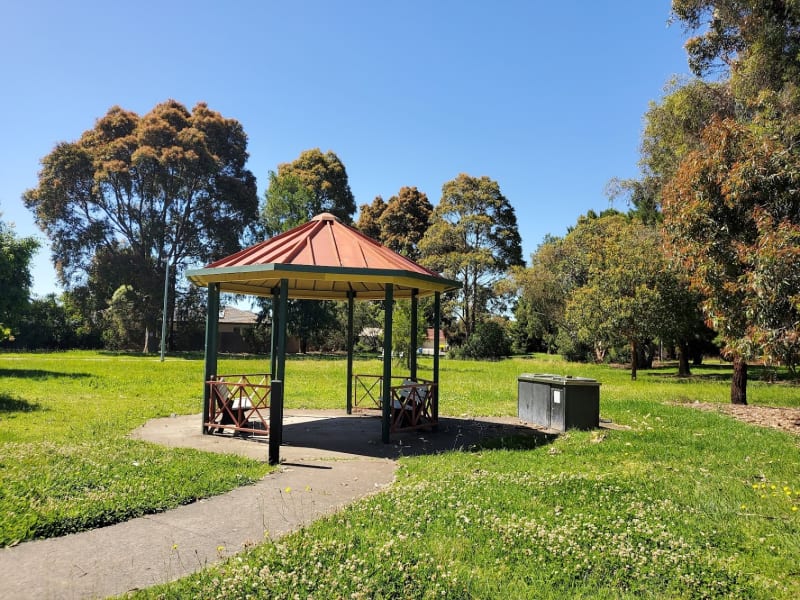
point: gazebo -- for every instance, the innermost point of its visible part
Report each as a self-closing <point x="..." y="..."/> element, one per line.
<point x="323" y="259"/>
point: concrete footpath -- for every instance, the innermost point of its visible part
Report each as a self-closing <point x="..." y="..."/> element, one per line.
<point x="328" y="460"/>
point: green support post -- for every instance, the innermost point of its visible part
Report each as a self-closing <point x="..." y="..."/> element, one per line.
<point x="276" y="414"/>
<point x="275" y="421"/>
<point x="387" y="361"/>
<point x="273" y="337"/>
<point x="280" y="365"/>
<point x="412" y="346"/>
<point x="351" y="295"/>
<point x="437" y="309"/>
<point x="212" y="329"/>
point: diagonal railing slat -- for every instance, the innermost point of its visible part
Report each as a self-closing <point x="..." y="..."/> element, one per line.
<point x="411" y="400"/>
<point x="239" y="403"/>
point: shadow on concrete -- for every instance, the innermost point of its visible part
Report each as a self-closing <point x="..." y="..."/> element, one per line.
<point x="360" y="435"/>
<point x="316" y="436"/>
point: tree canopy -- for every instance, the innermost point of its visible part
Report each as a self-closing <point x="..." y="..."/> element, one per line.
<point x="369" y="218"/>
<point x="731" y="205"/>
<point x="473" y="238"/>
<point x="398" y="224"/>
<point x="756" y="41"/>
<point x="15" y="278"/>
<point x="622" y="299"/>
<point x="733" y="214"/>
<point x="404" y="221"/>
<point x="605" y="289"/>
<point x="313" y="183"/>
<point x="135" y="194"/>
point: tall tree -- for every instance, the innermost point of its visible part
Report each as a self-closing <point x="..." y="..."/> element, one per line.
<point x="405" y="220"/>
<point x="399" y="224"/>
<point x="311" y="184"/>
<point x="473" y="238"/>
<point x="157" y="191"/>
<point x="733" y="214"/>
<point x="369" y="218"/>
<point x="15" y="278"/>
<point x="732" y="208"/>
<point x="622" y="301"/>
<point x="542" y="291"/>
<point x="756" y="41"/>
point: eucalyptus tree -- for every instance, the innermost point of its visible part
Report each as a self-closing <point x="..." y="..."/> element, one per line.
<point x="472" y="238"/>
<point x="732" y="207"/>
<point x="369" y="218"/>
<point x="622" y="300"/>
<point x="137" y="195"/>
<point x="399" y="224"/>
<point x="404" y="221"/>
<point x="315" y="182"/>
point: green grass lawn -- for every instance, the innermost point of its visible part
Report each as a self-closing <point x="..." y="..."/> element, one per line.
<point x="684" y="503"/>
<point x="65" y="462"/>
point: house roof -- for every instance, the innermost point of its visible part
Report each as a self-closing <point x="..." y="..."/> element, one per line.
<point x="429" y="335"/>
<point x="322" y="259"/>
<point x="230" y="314"/>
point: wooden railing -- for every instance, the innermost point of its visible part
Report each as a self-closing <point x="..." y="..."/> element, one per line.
<point x="239" y="403"/>
<point x="411" y="401"/>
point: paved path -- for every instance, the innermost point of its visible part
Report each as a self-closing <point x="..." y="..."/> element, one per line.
<point x="162" y="547"/>
<point x="328" y="459"/>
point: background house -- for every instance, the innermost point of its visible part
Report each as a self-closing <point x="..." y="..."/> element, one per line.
<point x="234" y="324"/>
<point x="427" y="344"/>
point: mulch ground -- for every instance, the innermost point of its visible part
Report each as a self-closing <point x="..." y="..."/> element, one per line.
<point x="785" y="419"/>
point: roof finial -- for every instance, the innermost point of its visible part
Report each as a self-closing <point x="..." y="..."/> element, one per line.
<point x="326" y="216"/>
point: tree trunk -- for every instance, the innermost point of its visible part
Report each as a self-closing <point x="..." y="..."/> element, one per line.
<point x="149" y="339"/>
<point x="634" y="359"/>
<point x="599" y="352"/>
<point x="739" y="382"/>
<point x="173" y="302"/>
<point x="648" y="354"/>
<point x="683" y="359"/>
<point x="466" y="311"/>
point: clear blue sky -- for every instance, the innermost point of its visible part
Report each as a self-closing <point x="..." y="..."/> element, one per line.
<point x="546" y="98"/>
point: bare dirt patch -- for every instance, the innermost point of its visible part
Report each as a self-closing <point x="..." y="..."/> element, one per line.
<point x="785" y="419"/>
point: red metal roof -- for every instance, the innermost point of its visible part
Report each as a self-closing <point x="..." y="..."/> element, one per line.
<point x="323" y="242"/>
<point x="322" y="259"/>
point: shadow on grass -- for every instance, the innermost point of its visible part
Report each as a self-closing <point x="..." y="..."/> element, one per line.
<point x="41" y="374"/>
<point x="245" y="356"/>
<point x="517" y="442"/>
<point x="9" y="404"/>
<point x="724" y="373"/>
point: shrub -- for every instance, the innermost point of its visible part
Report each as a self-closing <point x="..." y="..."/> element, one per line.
<point x="489" y="340"/>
